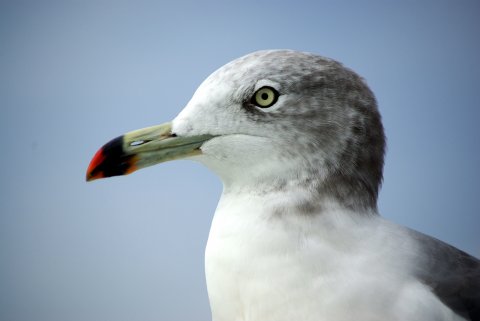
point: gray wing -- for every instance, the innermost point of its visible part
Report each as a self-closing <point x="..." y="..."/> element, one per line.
<point x="453" y="275"/>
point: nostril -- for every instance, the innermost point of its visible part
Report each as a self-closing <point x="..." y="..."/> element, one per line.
<point x="138" y="142"/>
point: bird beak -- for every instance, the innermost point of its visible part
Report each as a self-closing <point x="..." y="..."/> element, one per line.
<point x="142" y="148"/>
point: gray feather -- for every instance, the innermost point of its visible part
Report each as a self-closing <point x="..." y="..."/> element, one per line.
<point x="453" y="275"/>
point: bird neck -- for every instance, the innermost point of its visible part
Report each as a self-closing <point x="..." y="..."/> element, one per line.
<point x="306" y="193"/>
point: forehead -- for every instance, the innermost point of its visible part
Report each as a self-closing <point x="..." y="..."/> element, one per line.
<point x="277" y="65"/>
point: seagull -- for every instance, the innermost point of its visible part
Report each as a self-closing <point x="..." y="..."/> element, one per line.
<point x="298" y="143"/>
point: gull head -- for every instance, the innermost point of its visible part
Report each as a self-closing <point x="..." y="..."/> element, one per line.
<point x="265" y="121"/>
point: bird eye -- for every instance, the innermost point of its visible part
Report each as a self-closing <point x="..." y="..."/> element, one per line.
<point x="265" y="97"/>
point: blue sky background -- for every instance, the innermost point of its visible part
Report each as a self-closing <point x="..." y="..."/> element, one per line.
<point x="74" y="74"/>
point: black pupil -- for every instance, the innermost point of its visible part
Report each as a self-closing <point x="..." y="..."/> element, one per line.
<point x="264" y="96"/>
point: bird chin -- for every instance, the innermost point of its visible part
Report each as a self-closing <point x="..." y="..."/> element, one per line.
<point x="243" y="160"/>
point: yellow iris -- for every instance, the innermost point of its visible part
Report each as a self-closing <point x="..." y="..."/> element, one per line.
<point x="265" y="97"/>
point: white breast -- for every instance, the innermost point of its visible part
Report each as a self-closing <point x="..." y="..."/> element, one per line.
<point x="267" y="266"/>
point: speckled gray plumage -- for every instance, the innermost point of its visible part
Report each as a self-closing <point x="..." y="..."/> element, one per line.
<point x="330" y="111"/>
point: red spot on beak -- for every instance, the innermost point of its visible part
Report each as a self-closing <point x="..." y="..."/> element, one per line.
<point x="92" y="172"/>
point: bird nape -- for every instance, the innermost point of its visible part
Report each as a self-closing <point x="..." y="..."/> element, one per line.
<point x="298" y="142"/>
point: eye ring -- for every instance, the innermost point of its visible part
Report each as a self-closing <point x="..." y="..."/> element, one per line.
<point x="265" y="97"/>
